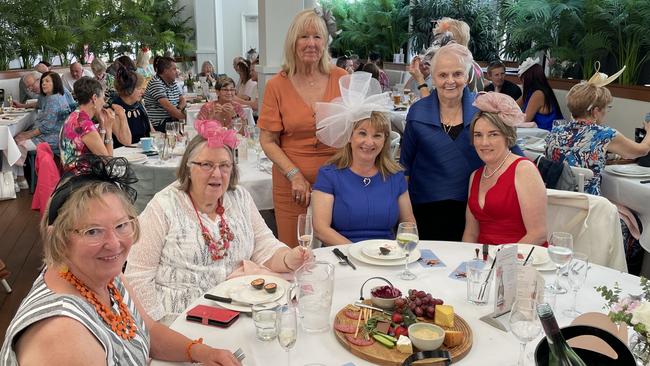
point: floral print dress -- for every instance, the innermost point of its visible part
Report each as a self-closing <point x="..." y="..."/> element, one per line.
<point x="77" y="126"/>
<point x="581" y="144"/>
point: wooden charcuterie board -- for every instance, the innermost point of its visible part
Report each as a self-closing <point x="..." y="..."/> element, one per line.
<point x="382" y="355"/>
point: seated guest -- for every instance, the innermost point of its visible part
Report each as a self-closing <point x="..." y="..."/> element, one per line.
<point x="224" y="109"/>
<point x="342" y="62"/>
<point x="515" y="209"/>
<point x="375" y="58"/>
<point x="162" y="98"/>
<point x="207" y="71"/>
<point x="80" y="310"/>
<point x="496" y="73"/>
<point x="538" y="100"/>
<point x="199" y="229"/>
<point x="130" y="88"/>
<point x="75" y="73"/>
<point x="98" y="67"/>
<point x="79" y="135"/>
<point x="586" y="140"/>
<point x="360" y="193"/>
<point x="420" y="69"/>
<point x="28" y="86"/>
<point x="43" y="66"/>
<point x="372" y="69"/>
<point x="143" y="65"/>
<point x="53" y="113"/>
<point x="246" y="89"/>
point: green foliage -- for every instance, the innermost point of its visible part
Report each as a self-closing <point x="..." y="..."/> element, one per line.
<point x="480" y="15"/>
<point x="49" y="28"/>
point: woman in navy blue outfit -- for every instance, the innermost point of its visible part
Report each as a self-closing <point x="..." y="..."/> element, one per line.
<point x="436" y="150"/>
<point x="361" y="193"/>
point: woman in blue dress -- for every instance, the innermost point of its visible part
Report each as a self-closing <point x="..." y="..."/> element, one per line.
<point x="538" y="100"/>
<point x="361" y="193"/>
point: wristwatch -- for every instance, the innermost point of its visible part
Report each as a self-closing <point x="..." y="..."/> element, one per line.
<point x="423" y="85"/>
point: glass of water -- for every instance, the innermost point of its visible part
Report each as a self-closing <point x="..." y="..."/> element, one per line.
<point x="264" y="317"/>
<point x="407" y="239"/>
<point x="287" y="326"/>
<point x="560" y="250"/>
<point x="577" y="274"/>
<point x="524" y="324"/>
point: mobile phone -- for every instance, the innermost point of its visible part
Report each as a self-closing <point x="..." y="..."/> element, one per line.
<point x="210" y="315"/>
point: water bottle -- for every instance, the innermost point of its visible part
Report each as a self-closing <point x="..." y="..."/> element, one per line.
<point x="560" y="353"/>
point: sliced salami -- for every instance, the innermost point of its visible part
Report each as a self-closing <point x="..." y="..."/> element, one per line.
<point x="362" y="342"/>
<point x="345" y="328"/>
<point x="352" y="314"/>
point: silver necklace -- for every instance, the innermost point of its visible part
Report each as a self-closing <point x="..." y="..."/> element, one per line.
<point x="488" y="176"/>
<point x="366" y="181"/>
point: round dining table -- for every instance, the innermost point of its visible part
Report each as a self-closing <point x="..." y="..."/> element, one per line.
<point x="491" y="346"/>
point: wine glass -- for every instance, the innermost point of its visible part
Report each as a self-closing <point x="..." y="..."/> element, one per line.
<point x="305" y="230"/>
<point x="236" y="124"/>
<point x="560" y="250"/>
<point x="578" y="269"/>
<point x="287" y="326"/>
<point x="407" y="239"/>
<point x="524" y="324"/>
<point x="159" y="141"/>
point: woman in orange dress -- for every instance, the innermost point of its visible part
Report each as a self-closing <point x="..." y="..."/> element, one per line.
<point x="287" y="120"/>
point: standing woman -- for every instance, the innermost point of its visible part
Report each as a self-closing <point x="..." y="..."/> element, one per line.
<point x="436" y="150"/>
<point x="130" y="88"/>
<point x="246" y="93"/>
<point x="538" y="100"/>
<point x="287" y="119"/>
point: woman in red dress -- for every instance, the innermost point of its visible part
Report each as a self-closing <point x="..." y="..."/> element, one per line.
<point x="507" y="197"/>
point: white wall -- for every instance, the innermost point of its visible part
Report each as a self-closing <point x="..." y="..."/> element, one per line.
<point x="231" y="28"/>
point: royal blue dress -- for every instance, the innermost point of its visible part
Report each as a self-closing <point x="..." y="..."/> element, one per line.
<point x="362" y="209"/>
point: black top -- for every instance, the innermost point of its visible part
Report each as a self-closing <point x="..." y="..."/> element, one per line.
<point x="137" y="118"/>
<point x="508" y="87"/>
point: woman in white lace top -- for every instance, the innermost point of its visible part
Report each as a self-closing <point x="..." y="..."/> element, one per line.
<point x="197" y="230"/>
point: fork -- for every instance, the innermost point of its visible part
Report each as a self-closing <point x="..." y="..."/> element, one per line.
<point x="239" y="354"/>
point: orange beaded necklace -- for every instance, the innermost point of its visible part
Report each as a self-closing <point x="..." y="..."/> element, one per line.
<point x="123" y="325"/>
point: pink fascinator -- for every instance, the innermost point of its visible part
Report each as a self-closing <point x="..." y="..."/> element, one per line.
<point x="216" y="135"/>
<point x="502" y="105"/>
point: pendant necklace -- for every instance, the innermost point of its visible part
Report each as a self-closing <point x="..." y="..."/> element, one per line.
<point x="445" y="127"/>
<point x="488" y="176"/>
<point x="366" y="181"/>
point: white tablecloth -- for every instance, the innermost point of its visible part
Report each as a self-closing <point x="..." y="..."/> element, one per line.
<point x="531" y="132"/>
<point x="153" y="178"/>
<point x="631" y="194"/>
<point x="491" y="346"/>
<point x="10" y="125"/>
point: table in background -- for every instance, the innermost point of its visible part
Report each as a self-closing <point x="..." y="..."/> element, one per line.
<point x="523" y="132"/>
<point x="491" y="346"/>
<point x="152" y="178"/>
<point x="10" y="125"/>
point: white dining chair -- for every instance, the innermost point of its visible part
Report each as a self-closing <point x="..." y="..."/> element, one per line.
<point x="582" y="176"/>
<point x="394" y="143"/>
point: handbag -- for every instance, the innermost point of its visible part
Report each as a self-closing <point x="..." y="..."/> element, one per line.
<point x="639" y="135"/>
<point x="7" y="189"/>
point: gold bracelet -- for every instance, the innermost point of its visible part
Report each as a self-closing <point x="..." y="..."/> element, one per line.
<point x="189" y="347"/>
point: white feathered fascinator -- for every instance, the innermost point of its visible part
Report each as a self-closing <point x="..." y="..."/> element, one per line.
<point x="360" y="96"/>
<point x="527" y="64"/>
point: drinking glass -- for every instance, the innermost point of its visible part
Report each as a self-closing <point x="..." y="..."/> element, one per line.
<point x="265" y="319"/>
<point x="171" y="130"/>
<point x="524" y="324"/>
<point x="305" y="230"/>
<point x="237" y="124"/>
<point x="407" y="239"/>
<point x="287" y="325"/>
<point x="578" y="269"/>
<point x="159" y="141"/>
<point x="560" y="250"/>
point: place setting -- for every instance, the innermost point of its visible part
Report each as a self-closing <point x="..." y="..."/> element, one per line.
<point x="380" y="252"/>
<point x="629" y="170"/>
<point x="241" y="293"/>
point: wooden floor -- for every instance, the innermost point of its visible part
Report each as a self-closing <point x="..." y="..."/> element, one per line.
<point x="21" y="250"/>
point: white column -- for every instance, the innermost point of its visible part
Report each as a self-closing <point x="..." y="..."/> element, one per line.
<point x="209" y="37"/>
<point x="275" y="16"/>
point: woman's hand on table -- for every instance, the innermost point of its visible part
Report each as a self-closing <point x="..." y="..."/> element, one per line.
<point x="297" y="256"/>
<point x="207" y="355"/>
<point x="300" y="189"/>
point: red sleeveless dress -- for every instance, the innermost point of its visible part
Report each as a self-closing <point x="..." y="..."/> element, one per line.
<point x="500" y="220"/>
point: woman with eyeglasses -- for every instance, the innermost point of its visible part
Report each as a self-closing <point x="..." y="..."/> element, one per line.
<point x="80" y="310"/>
<point x="201" y="228"/>
<point x="224" y="109"/>
<point x="586" y="140"/>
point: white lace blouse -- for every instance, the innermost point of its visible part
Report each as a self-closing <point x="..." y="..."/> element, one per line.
<point x="170" y="266"/>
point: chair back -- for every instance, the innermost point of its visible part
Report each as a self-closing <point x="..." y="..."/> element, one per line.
<point x="582" y="175"/>
<point x="394" y="143"/>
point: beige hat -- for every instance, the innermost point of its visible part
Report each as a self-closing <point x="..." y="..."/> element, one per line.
<point x="601" y="79"/>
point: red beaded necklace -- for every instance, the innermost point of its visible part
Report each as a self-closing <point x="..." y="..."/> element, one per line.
<point x="123" y="324"/>
<point x="217" y="248"/>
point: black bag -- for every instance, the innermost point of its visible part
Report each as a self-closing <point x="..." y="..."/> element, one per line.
<point x="639" y="135"/>
<point x="556" y="175"/>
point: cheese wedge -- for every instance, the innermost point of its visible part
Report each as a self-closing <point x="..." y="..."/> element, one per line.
<point x="453" y="338"/>
<point x="444" y="316"/>
<point x="404" y="345"/>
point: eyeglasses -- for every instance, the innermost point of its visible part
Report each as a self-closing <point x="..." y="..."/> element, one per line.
<point x="97" y="235"/>
<point x="227" y="90"/>
<point x="209" y="167"/>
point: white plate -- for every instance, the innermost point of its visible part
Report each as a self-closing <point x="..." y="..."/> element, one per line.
<point x="355" y="252"/>
<point x="539" y="257"/>
<point x="135" y="157"/>
<point x="371" y="249"/>
<point x="631" y="170"/>
<point x="227" y="289"/>
<point x="247" y="293"/>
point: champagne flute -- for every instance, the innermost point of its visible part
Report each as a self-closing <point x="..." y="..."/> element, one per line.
<point x="287" y="326"/>
<point x="305" y="230"/>
<point x="524" y="324"/>
<point x="407" y="239"/>
<point x="159" y="141"/>
<point x="578" y="269"/>
<point x="560" y="250"/>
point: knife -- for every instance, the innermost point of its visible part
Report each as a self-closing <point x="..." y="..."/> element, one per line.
<point x="362" y="305"/>
<point x="227" y="300"/>
<point x="337" y="252"/>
